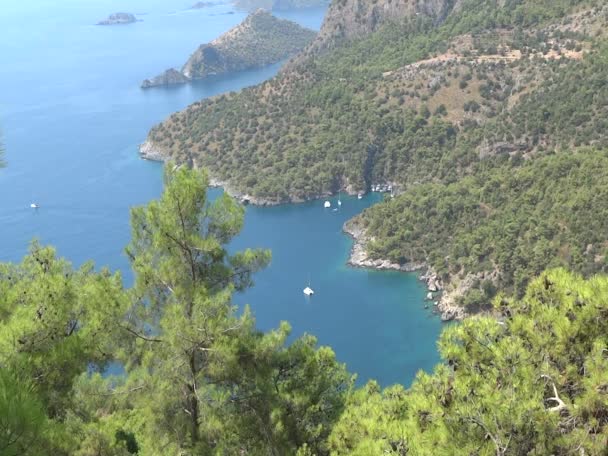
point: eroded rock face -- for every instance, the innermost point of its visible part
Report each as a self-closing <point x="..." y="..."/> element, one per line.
<point x="347" y="19"/>
<point x="118" y="19"/>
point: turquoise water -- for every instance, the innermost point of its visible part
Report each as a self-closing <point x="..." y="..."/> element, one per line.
<point x="72" y="116"/>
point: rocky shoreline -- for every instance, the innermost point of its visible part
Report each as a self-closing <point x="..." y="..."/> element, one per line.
<point x="149" y="151"/>
<point x="444" y="300"/>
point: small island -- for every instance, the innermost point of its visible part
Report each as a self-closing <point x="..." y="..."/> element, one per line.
<point x="261" y="39"/>
<point x="118" y="19"/>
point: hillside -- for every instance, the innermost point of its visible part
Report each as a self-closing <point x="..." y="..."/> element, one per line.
<point x="421" y="94"/>
<point x="261" y="39"/>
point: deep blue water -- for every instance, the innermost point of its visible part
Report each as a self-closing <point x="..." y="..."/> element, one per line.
<point x="72" y="116"/>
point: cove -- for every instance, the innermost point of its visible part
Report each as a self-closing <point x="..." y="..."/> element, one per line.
<point x="72" y="115"/>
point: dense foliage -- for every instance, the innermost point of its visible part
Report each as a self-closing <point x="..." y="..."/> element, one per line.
<point x="533" y="382"/>
<point x="518" y="220"/>
<point x="496" y="188"/>
<point x="197" y="378"/>
<point x="338" y="120"/>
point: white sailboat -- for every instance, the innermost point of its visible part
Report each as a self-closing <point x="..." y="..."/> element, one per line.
<point x="327" y="205"/>
<point x="309" y="291"/>
<point x="34" y="206"/>
<point x="339" y="200"/>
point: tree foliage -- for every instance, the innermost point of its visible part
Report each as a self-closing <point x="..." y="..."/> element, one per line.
<point x="197" y="377"/>
<point x="532" y="382"/>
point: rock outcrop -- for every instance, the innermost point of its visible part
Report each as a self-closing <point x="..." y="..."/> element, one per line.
<point x="118" y="19"/>
<point x="446" y="298"/>
<point x="169" y="77"/>
<point x="260" y="40"/>
<point x="349" y="19"/>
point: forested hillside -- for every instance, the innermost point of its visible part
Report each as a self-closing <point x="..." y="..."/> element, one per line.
<point x="422" y="98"/>
<point x="502" y="224"/>
<point x="404" y="104"/>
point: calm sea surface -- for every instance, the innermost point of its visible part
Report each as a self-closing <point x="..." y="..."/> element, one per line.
<point x="72" y="115"/>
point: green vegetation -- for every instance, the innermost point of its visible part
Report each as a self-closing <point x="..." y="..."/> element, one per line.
<point x="358" y="115"/>
<point x="200" y="380"/>
<point x="531" y="383"/>
<point x="260" y="40"/>
<point x="495" y="187"/>
<point x="516" y="219"/>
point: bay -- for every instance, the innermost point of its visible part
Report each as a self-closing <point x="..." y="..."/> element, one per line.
<point x="72" y="115"/>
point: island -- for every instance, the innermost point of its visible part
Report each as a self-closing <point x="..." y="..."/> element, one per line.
<point x="261" y="39"/>
<point x="118" y="19"/>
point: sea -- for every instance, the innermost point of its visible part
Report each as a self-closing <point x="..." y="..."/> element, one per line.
<point x="72" y="115"/>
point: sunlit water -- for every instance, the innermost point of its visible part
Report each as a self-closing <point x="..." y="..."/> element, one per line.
<point x="72" y="115"/>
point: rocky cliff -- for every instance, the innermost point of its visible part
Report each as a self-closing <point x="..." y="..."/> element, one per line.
<point x="169" y="77"/>
<point x="349" y="19"/>
<point x="261" y="39"/>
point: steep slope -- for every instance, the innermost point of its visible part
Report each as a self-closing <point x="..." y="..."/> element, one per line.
<point x="261" y="39"/>
<point x="372" y="112"/>
<point x="413" y="101"/>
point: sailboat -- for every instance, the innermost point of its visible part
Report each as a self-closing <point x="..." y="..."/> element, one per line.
<point x="339" y="200"/>
<point x="309" y="291"/>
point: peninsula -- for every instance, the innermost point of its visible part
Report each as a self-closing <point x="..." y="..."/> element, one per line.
<point x="261" y="39"/>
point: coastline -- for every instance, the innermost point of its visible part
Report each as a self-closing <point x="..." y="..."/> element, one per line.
<point x="444" y="299"/>
<point x="149" y="151"/>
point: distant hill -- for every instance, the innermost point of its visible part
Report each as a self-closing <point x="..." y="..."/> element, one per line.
<point x="261" y="39"/>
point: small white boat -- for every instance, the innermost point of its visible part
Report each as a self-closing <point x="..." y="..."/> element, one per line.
<point x="34" y="206"/>
<point x="360" y="196"/>
<point x="327" y="205"/>
<point x="339" y="200"/>
<point x="308" y="291"/>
